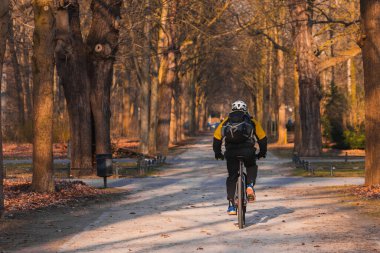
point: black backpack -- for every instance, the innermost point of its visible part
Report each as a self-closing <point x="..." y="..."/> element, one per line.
<point x="238" y="128"/>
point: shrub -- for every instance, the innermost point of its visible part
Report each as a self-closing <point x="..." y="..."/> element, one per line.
<point x="355" y="139"/>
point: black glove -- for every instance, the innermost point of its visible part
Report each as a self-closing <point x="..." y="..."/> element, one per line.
<point x="261" y="155"/>
<point x="219" y="156"/>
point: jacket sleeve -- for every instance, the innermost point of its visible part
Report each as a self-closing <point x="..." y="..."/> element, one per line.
<point x="262" y="139"/>
<point x="218" y="137"/>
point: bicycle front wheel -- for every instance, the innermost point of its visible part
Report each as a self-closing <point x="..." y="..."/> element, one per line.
<point x="241" y="213"/>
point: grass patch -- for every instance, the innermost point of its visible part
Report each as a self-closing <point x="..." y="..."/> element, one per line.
<point x="286" y="153"/>
<point x="342" y="169"/>
<point x="25" y="170"/>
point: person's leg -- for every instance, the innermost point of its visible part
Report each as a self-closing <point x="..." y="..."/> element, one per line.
<point x="233" y="169"/>
<point x="250" y="164"/>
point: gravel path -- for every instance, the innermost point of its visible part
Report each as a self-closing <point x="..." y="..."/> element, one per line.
<point x="184" y="210"/>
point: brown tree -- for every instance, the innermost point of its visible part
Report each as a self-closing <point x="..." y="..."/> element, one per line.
<point x="102" y="44"/>
<point x="43" y="74"/>
<point x="4" y="21"/>
<point x="71" y="58"/>
<point x="308" y="78"/>
<point x="167" y="73"/>
<point x="86" y="71"/>
<point x="370" y="11"/>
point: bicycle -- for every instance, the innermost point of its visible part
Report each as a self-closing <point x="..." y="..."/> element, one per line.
<point x="241" y="194"/>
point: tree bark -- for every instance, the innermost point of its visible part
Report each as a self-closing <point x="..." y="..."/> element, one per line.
<point x="297" y="118"/>
<point x="102" y="43"/>
<point x="192" y="101"/>
<point x="145" y="84"/>
<point x="351" y="83"/>
<point x="370" y="12"/>
<point x="17" y="75"/>
<point x="25" y="64"/>
<point x="71" y="61"/>
<point x="153" y="121"/>
<point x="167" y="73"/>
<point x="128" y="106"/>
<point x="308" y="79"/>
<point x="4" y="23"/>
<point x="173" y="123"/>
<point x="281" y="123"/>
<point x="43" y="74"/>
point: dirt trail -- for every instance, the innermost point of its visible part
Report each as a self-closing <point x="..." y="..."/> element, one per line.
<point x="184" y="210"/>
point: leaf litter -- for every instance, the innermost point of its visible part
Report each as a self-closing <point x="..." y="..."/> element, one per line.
<point x="20" y="197"/>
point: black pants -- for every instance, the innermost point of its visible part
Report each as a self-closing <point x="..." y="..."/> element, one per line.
<point x="233" y="168"/>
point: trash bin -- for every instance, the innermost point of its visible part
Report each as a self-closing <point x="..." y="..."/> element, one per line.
<point x="104" y="165"/>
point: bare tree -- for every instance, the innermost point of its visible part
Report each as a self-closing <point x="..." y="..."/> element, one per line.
<point x="308" y="79"/>
<point x="102" y="43"/>
<point x="71" y="58"/>
<point x="43" y="74"/>
<point x="4" y="23"/>
<point x="370" y="11"/>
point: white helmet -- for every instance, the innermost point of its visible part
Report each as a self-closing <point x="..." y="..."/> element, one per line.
<point x="239" y="106"/>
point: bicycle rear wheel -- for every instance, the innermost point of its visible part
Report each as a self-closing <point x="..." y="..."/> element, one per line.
<point x="241" y="207"/>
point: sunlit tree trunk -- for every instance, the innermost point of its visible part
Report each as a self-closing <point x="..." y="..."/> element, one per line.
<point x="351" y="85"/>
<point x="128" y="106"/>
<point x="192" y="101"/>
<point x="173" y="123"/>
<point x="281" y="124"/>
<point x="43" y="74"/>
<point x="308" y="79"/>
<point x="202" y="113"/>
<point x="153" y="109"/>
<point x="370" y="12"/>
<point x="297" y="118"/>
<point x="145" y="83"/>
<point x="4" y="23"/>
<point x="167" y="74"/>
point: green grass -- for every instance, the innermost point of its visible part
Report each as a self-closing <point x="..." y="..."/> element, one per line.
<point x="342" y="169"/>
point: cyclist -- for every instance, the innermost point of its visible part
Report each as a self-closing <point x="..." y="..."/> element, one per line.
<point x="239" y="131"/>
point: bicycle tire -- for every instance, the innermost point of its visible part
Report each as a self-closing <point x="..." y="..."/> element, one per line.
<point x="241" y="213"/>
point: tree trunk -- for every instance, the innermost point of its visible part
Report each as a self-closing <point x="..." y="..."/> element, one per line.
<point x="153" y="121"/>
<point x="167" y="74"/>
<point x="71" y="61"/>
<point x="184" y="109"/>
<point x="202" y="113"/>
<point x="25" y="64"/>
<point x="351" y="85"/>
<point x="102" y="43"/>
<point x="370" y="12"/>
<point x="43" y="74"/>
<point x="145" y="84"/>
<point x="192" y="101"/>
<point x="297" y="118"/>
<point x="4" y="23"/>
<point x="128" y="106"/>
<point x="173" y="123"/>
<point x="17" y="75"/>
<point x="281" y="123"/>
<point x="308" y="79"/>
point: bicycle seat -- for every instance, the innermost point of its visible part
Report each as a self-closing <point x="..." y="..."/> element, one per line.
<point x="240" y="157"/>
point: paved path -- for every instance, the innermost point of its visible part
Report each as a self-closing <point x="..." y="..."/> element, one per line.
<point x="184" y="210"/>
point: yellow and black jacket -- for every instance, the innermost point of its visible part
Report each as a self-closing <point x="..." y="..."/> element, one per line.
<point x="259" y="134"/>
